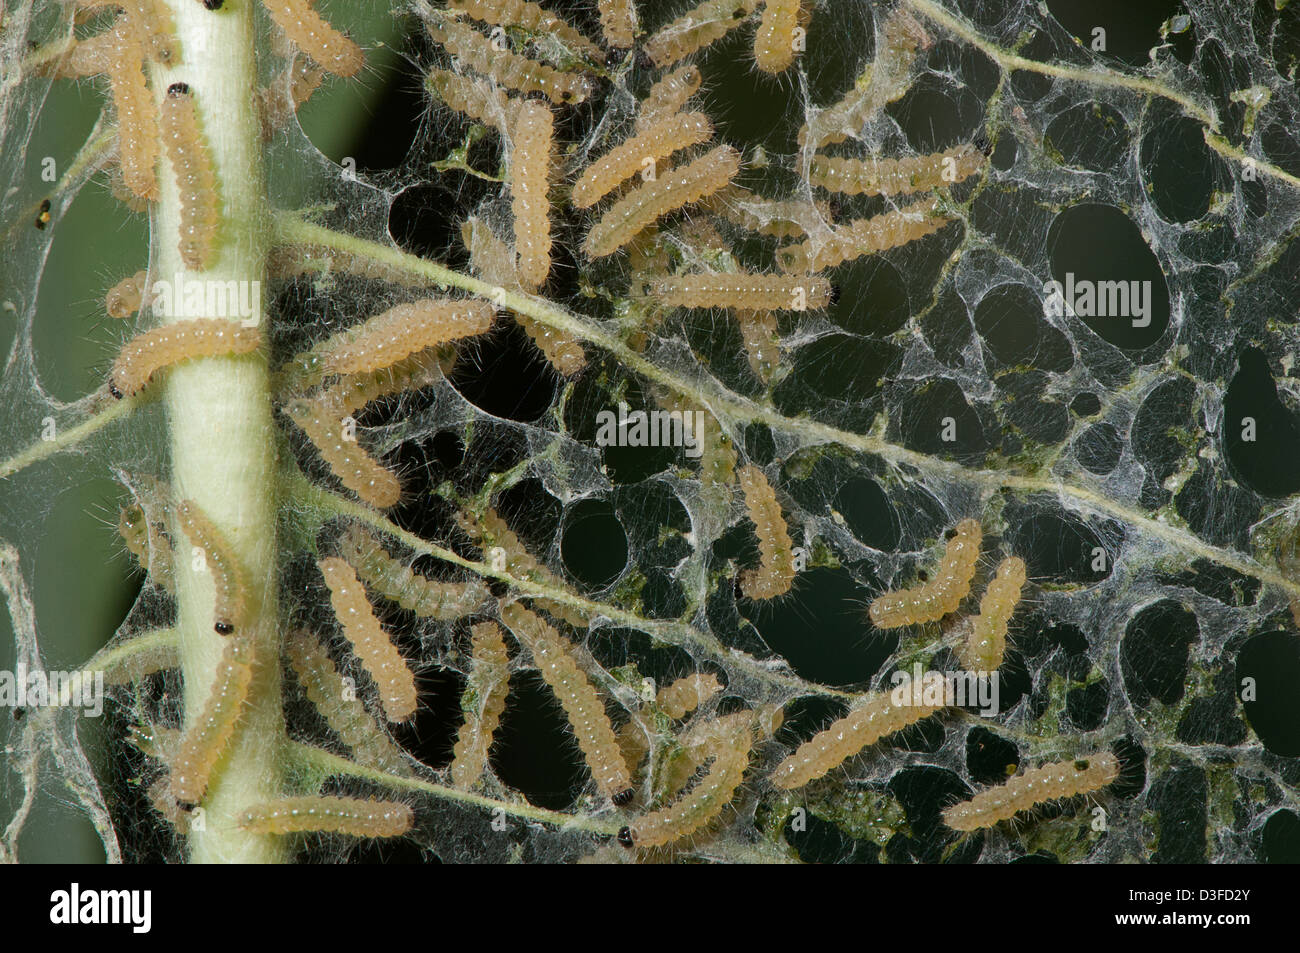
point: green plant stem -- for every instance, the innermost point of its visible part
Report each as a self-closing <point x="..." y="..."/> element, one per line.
<point x="222" y="434"/>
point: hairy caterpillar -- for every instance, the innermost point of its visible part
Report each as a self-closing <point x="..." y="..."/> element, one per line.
<point x="986" y="640"/>
<point x="1061" y="779"/>
<point x="530" y="16"/>
<point x="490" y="532"/>
<point x="687" y="693"/>
<point x="885" y="80"/>
<point x="864" y="236"/>
<point x="300" y="79"/>
<point x="137" y="114"/>
<point x="873" y="719"/>
<point x="652" y="200"/>
<point x="562" y="350"/>
<point x="668" y="96"/>
<point x="372" y="644"/>
<point x="141" y="664"/>
<point x="476" y="52"/>
<point x="206" y="738"/>
<point x="533" y="134"/>
<point x="774" y="41"/>
<point x="228" y="577"/>
<point x="403" y="330"/>
<point x="475" y="98"/>
<point x="342" y="711"/>
<point x="348" y="460"/>
<point x="296" y="258"/>
<point x="775" y="574"/>
<point x="483" y="703"/>
<point x="332" y="815"/>
<point x="395" y="581"/>
<point x="149" y="547"/>
<point x="347" y="395"/>
<point x="581" y="704"/>
<point x="696" y="29"/>
<point x="188" y="153"/>
<point x="152" y="23"/>
<point x="161" y="347"/>
<point x="743" y="290"/>
<point x="126" y="297"/>
<point x="758" y="330"/>
<point x="617" y="22"/>
<point x="717" y="453"/>
<point x="657" y="142"/>
<point x="938" y="596"/>
<point x="324" y="44"/>
<point x="895" y="176"/>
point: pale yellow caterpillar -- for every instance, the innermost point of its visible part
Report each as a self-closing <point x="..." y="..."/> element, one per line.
<point x="586" y="712"/>
<point x="775" y="574"/>
<point x="1062" y="779"/>
<point x="137" y="115"/>
<point x="717" y="453"/>
<point x="985" y="640"/>
<point x="687" y="693"/>
<point x="372" y="644"/>
<point x="342" y="711"/>
<point x="774" y="41"/>
<point x="395" y="581"/>
<point x="126" y="297"/>
<point x="668" y="96"/>
<point x="652" y="200"/>
<point x="743" y="290"/>
<point x="141" y="664"/>
<point x="939" y="595"/>
<point x="562" y="350"/>
<point x="533" y="132"/>
<point x="331" y="815"/>
<point x="864" y="236"/>
<point x="895" y="176"/>
<point x="348" y="460"/>
<point x="149" y="547"/>
<point x="875" y="717"/>
<point x="188" y="153"/>
<point x="161" y="347"/>
<point x="617" y="22"/>
<point x="403" y="330"/>
<point x="897" y="46"/>
<point x="476" y="52"/>
<point x="311" y="34"/>
<point x="483" y="703"/>
<point x="475" y="98"/>
<point x="530" y="16"/>
<point x="657" y="142"/>
<point x="696" y="29"/>
<point x="230" y="614"/>
<point x="152" y="23"/>
<point x="347" y="395"/>
<point x="206" y="737"/>
<point x="758" y="331"/>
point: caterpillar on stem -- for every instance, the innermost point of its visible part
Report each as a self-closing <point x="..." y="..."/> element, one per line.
<point x="938" y="596"/>
<point x="137" y="114"/>
<point x="658" y="141"/>
<point x="381" y="341"/>
<point x="1062" y="779"/>
<point x="329" y="815"/>
<point x="188" y="153"/>
<point x="230" y="614"/>
<point x="145" y="354"/>
<point x="395" y="581"/>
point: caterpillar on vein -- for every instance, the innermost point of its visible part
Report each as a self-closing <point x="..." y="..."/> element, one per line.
<point x="938" y="596"/>
<point x="333" y="815"/>
<point x="1062" y="779"/>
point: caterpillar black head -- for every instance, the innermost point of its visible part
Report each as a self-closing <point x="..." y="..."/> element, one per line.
<point x="624" y="797"/>
<point x="625" y="837"/>
<point x="212" y="4"/>
<point x="43" y="216"/>
<point x="178" y="89"/>
<point x="983" y="143"/>
<point x="223" y="627"/>
<point x="112" y="389"/>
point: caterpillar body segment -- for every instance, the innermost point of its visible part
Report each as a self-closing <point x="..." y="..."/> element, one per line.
<point x="206" y="738"/>
<point x="939" y="595"/>
<point x="863" y="236"/>
<point x="127" y="296"/>
<point x="743" y="291"/>
<point x="531" y="17"/>
<point x="349" y="394"/>
<point x="483" y="703"/>
<point x="149" y="546"/>
<point x="668" y="96"/>
<point x="395" y="581"/>
<point x="986" y="639"/>
<point x="758" y="331"/>
<point x="472" y="97"/>
<point x="329" y="815"/>
<point x="347" y="459"/>
<point x="687" y="693"/>
<point x="775" y="574"/>
<point x="151" y="22"/>
<point x="533" y="131"/>
<point x="403" y="330"/>
<point x="696" y="29"/>
<point x="149" y="352"/>
<point x="618" y="22"/>
<point x="561" y="350"/>
<point x="187" y="151"/>
<point x="585" y="710"/>
<point x="775" y="39"/>
<point x="656" y="142"/>
<point x="329" y="48"/>
<point x="229" y="579"/>
<point x="1024" y="792"/>
<point x="895" y="176"/>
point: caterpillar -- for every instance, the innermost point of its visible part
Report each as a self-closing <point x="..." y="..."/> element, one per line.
<point x="372" y="644"/>
<point x="403" y="330"/>
<point x="333" y="815"/>
<point x="895" y="176"/>
<point x="561" y="350"/>
<point x="986" y="639"/>
<point x="696" y="29"/>
<point x="668" y="96"/>
<point x="898" y="44"/>
<point x="652" y="200"/>
<point x="347" y="460"/>
<point x="491" y="531"/>
<point x="230" y="613"/>
<point x="347" y="395"/>
<point x="161" y="347"/>
<point x="758" y="331"/>
<point x="427" y="598"/>
<point x="475" y="98"/>
<point x="743" y="290"/>
<point x="151" y="21"/>
<point x="717" y="453"/>
<point x="687" y="693"/>
<point x="137" y="114"/>
<point x="1062" y="779"/>
<point x="296" y="258"/>
<point x="581" y="704"/>
<point x="864" y="236"/>
<point x="533" y="132"/>
<point x="874" y="718"/>
<point x="188" y="154"/>
<point x="531" y="17"/>
<point x="149" y="547"/>
<point x="141" y="664"/>
<point x="775" y="574"/>
<point x="206" y="738"/>
<point x="324" y="44"/>
<point x="483" y="703"/>
<point x="342" y="711"/>
<point x="617" y="22"/>
<point x="659" y="141"/>
<point x="126" y="297"/>
<point x="774" y="41"/>
<point x="476" y="52"/>
<point x="777" y="218"/>
<point x="938" y="596"/>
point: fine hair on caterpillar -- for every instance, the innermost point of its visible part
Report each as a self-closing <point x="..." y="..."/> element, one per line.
<point x="187" y="151"/>
<point x="147" y="353"/>
<point x="1024" y="792"/>
<point x="938" y="595"/>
